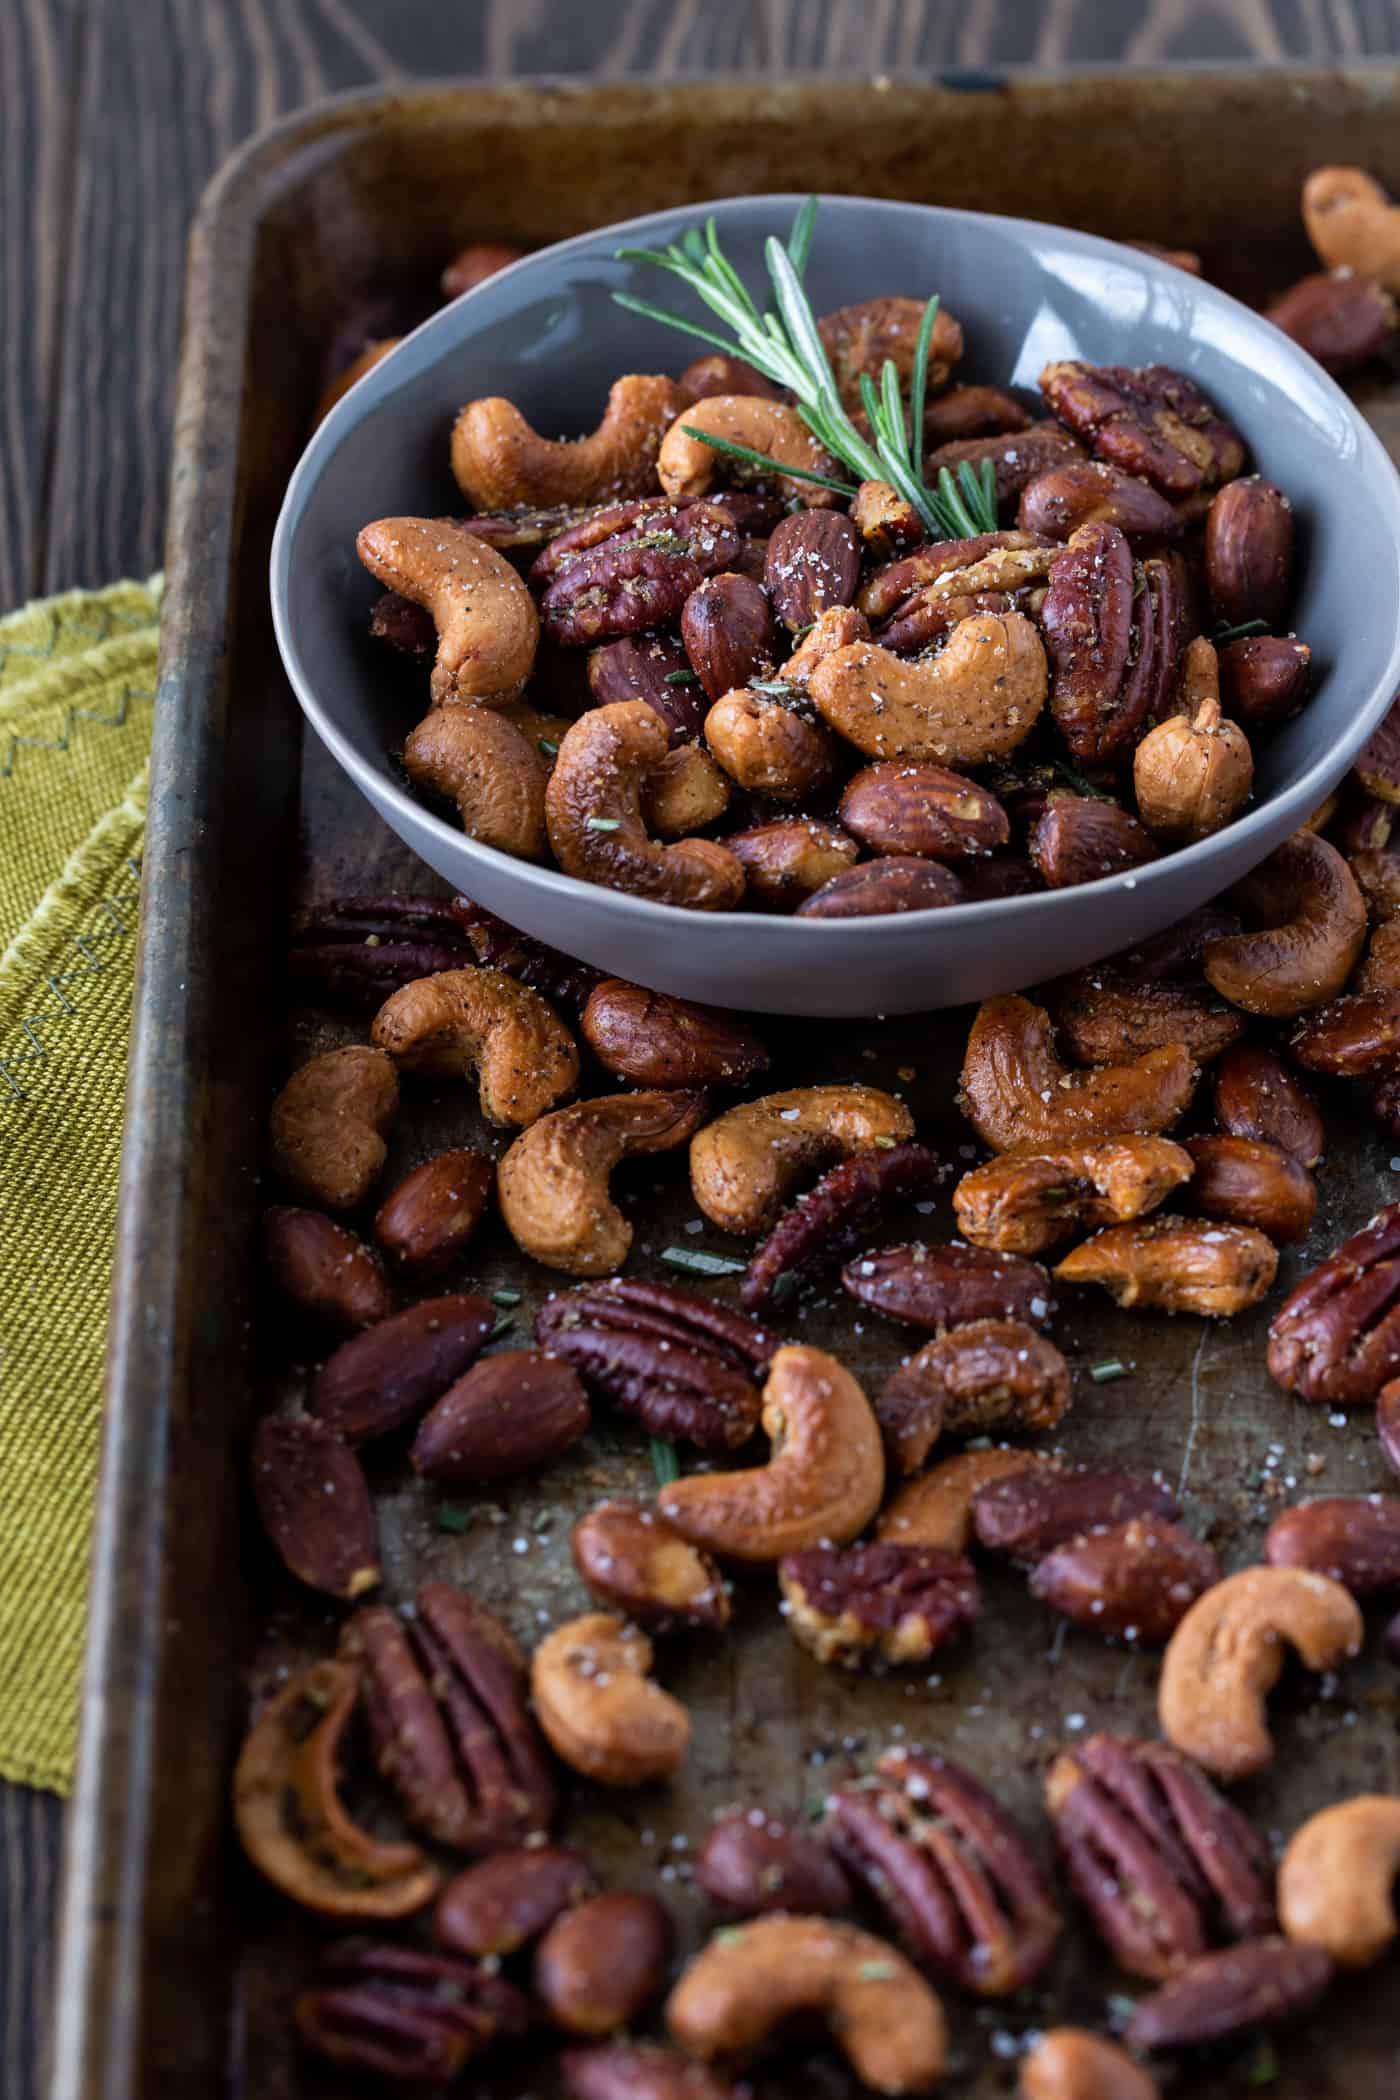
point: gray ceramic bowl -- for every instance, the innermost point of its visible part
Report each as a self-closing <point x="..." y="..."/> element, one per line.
<point x="548" y="334"/>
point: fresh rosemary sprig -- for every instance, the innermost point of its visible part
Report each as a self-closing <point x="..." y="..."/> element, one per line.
<point x="787" y="348"/>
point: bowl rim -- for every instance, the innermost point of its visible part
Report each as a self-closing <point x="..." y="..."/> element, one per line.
<point x="366" y="397"/>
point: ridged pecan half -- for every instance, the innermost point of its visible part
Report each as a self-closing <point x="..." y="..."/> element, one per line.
<point x="881" y="1603"/>
<point x="401" y="2014"/>
<point x="682" y="1366"/>
<point x="640" y="577"/>
<point x="1336" y="1337"/>
<point x="449" y="1725"/>
<point x="1259" y="1984"/>
<point x="1110" y="654"/>
<point x="951" y="1870"/>
<point x="1165" y="1866"/>
<point x="832" y="1218"/>
<point x="1152" y="422"/>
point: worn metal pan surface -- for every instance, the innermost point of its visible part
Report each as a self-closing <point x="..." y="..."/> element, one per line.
<point x="176" y="1969"/>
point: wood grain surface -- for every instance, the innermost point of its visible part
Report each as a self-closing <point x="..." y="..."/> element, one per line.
<point x="113" y="114"/>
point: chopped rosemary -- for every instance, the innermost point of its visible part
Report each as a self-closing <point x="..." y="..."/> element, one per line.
<point x="876" y="1971"/>
<point x="1106" y="1372"/>
<point x="700" y="1263"/>
<point x="782" y="686"/>
<point x="548" y="746"/>
<point x="664" y="1462"/>
<point x="1263" y="2065"/>
<point x="502" y="1326"/>
<point x="1239" y="631"/>
<point x="785" y="1287"/>
<point x="603" y="823"/>
<point x="786" y="346"/>
<point x="450" y="1516"/>
<point x="680" y="678"/>
<point x="730" y="1936"/>
<point x="1080" y="785"/>
<point x="506" y="1297"/>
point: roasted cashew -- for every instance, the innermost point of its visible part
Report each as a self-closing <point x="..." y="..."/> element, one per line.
<point x="935" y="1508"/>
<point x="1069" y="2063"/>
<point x="769" y="749"/>
<point x="743" y="1166"/>
<point x="479" y="759"/>
<point x="599" y="1709"/>
<point x="976" y="700"/>
<point x="482" y="1023"/>
<point x="327" y="1125"/>
<point x="1228" y="1651"/>
<point x="501" y="461"/>
<point x="685" y="793"/>
<point x="1314" y="926"/>
<point x="1026" y="1200"/>
<point x="687" y="466"/>
<point x="821" y="1485"/>
<point x="593" y="808"/>
<point x="1352" y="224"/>
<point x="289" y="1814"/>
<point x="1336" y="1876"/>
<point x="487" y="626"/>
<point x="1016" y="1093"/>
<point x="552" y="1185"/>
<point x="752" y="1980"/>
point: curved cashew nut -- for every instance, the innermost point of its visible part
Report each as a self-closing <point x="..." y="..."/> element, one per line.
<point x="487" y="626"/>
<point x="1227" y="1653"/>
<point x="1016" y="1093"/>
<point x="1352" y="224"/>
<point x="1336" y="1876"/>
<point x="599" y="1709"/>
<point x="1069" y="2063"/>
<point x="1026" y="1200"/>
<point x="478" y="758"/>
<point x="977" y="699"/>
<point x="752" y="1979"/>
<point x="1315" y="926"/>
<point x="593" y="808"/>
<point x="822" y="1484"/>
<point x="290" y="1817"/>
<point x="553" y="1183"/>
<point x="501" y="461"/>
<point x="743" y="1166"/>
<point x="685" y="793"/>
<point x="327" y="1125"/>
<point x="935" y="1509"/>
<point x="482" y="1022"/>
<point x="687" y="466"/>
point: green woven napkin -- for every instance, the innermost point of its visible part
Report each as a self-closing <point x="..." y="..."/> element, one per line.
<point x="77" y="687"/>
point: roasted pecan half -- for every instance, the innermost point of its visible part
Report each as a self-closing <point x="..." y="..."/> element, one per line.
<point x="1134" y="1581"/>
<point x="987" y="1377"/>
<point x="1030" y="1512"/>
<point x="398" y="2013"/>
<point x="682" y="1366"/>
<point x="1164" y="1865"/>
<point x="1150" y="421"/>
<point x="1340" y="317"/>
<point x="882" y="1603"/>
<point x="445" y="1697"/>
<point x="640" y="577"/>
<point x="944" y="1286"/>
<point x="1259" y="1984"/>
<point x="1104" y="1018"/>
<point x="752" y="1862"/>
<point x="833" y="1217"/>
<point x="1107" y="655"/>
<point x="1336" y="1337"/>
<point x="496" y="946"/>
<point x="1356" y="1037"/>
<point x="950" y="1869"/>
<point x="1016" y="455"/>
<point x="923" y="597"/>
<point x="1024" y="1202"/>
<point x="356" y="951"/>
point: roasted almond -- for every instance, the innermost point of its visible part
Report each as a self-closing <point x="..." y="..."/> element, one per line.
<point x="1249" y="551"/>
<point x="502" y="1903"/>
<point x="314" y="1504"/>
<point x="1256" y="1096"/>
<point x="1133" y="1581"/>
<point x="427" y="1220"/>
<point x="388" y="1375"/>
<point x="898" y="806"/>
<point x="896" y="883"/>
<point x="1080" y="838"/>
<point x="656" y="1041"/>
<point x="1248" y="1183"/>
<point x="1340" y="317"/>
<point x="508" y="1413"/>
<point x="729" y="632"/>
<point x="813" y="563"/>
<point x="787" y="859"/>
<point x="938" y="1287"/>
<point x="324" y="1268"/>
<point x="1263" y="678"/>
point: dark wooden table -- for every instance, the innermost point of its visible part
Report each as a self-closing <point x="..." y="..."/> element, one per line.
<point x="113" y="113"/>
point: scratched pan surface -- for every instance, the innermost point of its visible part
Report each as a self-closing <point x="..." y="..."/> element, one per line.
<point x="179" y="1967"/>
